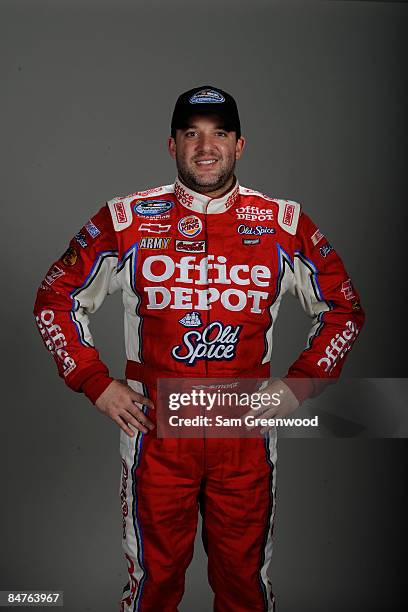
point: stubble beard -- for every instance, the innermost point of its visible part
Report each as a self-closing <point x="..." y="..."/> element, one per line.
<point x="209" y="184"/>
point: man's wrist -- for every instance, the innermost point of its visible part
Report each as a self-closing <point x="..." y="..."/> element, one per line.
<point x="94" y="386"/>
<point x="302" y="388"/>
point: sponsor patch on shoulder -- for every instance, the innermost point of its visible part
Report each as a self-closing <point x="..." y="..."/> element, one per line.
<point x="151" y="208"/>
<point x="154" y="243"/>
<point x="120" y="211"/>
<point x="288" y="214"/>
<point x="92" y="229"/>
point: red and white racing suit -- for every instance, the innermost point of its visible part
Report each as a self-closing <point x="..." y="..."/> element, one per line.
<point x="202" y="280"/>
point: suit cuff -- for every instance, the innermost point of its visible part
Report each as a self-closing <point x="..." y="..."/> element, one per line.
<point x="94" y="386"/>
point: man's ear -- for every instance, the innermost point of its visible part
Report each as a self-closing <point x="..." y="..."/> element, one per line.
<point x="171" y="145"/>
<point x="239" y="147"/>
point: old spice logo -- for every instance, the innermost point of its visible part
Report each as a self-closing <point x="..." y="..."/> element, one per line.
<point x="120" y="212"/>
<point x="256" y="230"/>
<point x="154" y="228"/>
<point x="288" y="214"/>
<point x="217" y="342"/>
<point x="183" y="196"/>
<point x="338" y="347"/>
<point x="347" y="290"/>
<point x="190" y="246"/>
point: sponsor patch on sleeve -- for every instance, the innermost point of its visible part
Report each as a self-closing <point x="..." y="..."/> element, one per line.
<point x="316" y="237"/>
<point x="325" y="250"/>
<point x="53" y="273"/>
<point x="81" y="239"/>
<point x="70" y="257"/>
<point x="347" y="290"/>
<point x="92" y="229"/>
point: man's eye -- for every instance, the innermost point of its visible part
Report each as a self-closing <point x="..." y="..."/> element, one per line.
<point x="190" y="133"/>
<point x="224" y="134"/>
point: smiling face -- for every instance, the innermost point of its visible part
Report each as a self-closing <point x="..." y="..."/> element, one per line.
<point x="205" y="154"/>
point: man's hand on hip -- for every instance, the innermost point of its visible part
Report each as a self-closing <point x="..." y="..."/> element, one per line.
<point x="123" y="405"/>
<point x="282" y="403"/>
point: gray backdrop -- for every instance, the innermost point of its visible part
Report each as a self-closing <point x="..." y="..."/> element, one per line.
<point x="87" y="94"/>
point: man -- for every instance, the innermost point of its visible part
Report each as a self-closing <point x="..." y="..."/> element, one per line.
<point x="210" y="257"/>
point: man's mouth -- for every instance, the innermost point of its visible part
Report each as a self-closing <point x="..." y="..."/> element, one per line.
<point x="205" y="162"/>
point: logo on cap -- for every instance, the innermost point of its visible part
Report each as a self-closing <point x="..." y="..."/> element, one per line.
<point x="205" y="96"/>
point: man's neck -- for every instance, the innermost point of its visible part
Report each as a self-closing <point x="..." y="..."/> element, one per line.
<point x="218" y="193"/>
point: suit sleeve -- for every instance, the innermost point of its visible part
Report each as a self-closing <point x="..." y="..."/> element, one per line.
<point x="74" y="287"/>
<point x="328" y="296"/>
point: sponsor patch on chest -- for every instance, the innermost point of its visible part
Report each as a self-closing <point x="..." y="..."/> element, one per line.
<point x="154" y="243"/>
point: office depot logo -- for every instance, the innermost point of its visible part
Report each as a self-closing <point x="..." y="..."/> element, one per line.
<point x="55" y="340"/>
<point x="338" y="347"/>
<point x="254" y="213"/>
<point x="229" y="284"/>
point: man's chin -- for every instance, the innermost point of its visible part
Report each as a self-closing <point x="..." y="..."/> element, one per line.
<point x="208" y="183"/>
<point x="204" y="183"/>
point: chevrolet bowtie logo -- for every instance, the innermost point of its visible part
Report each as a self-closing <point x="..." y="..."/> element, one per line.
<point x="155" y="228"/>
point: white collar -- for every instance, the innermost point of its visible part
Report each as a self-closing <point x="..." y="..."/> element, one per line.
<point x="202" y="203"/>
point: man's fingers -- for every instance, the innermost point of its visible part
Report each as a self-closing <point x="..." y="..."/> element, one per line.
<point x="269" y="413"/>
<point x="125" y="427"/>
<point x="135" y="415"/>
<point x="141" y="399"/>
<point x="125" y="406"/>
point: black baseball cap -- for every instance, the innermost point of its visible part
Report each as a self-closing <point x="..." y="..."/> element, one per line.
<point x="206" y="100"/>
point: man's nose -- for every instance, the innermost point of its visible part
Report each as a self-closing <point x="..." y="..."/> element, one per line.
<point x="205" y="141"/>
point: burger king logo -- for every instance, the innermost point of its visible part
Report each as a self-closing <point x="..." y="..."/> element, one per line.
<point x="190" y="226"/>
